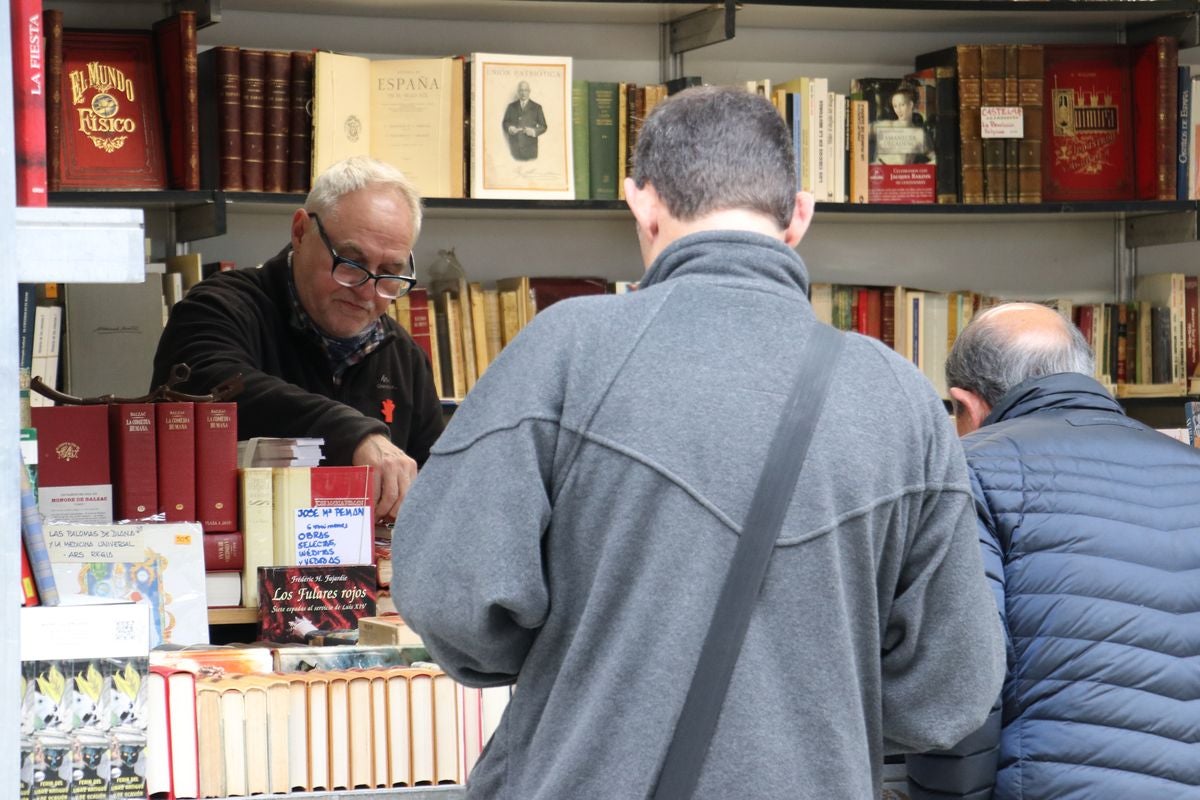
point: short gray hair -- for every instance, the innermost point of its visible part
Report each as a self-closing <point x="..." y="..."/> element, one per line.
<point x="358" y="172"/>
<point x="714" y="148"/>
<point x="989" y="359"/>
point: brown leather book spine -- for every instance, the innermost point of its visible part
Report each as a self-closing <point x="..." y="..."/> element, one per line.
<point x="1012" y="147"/>
<point x="254" y="86"/>
<point x="970" y="95"/>
<point x="278" y="112"/>
<point x="52" y="21"/>
<point x="175" y="42"/>
<point x="229" y="116"/>
<point x="300" y="122"/>
<point x="991" y="60"/>
<point x="1031" y="72"/>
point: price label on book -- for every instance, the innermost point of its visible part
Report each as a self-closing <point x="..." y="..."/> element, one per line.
<point x="334" y="535"/>
<point x="1002" y="122"/>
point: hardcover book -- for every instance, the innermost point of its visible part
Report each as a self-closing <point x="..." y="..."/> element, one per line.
<point x="297" y="602"/>
<point x="219" y="82"/>
<point x="901" y="158"/>
<point x="224" y="551"/>
<point x="216" y="466"/>
<point x="305" y="658"/>
<point x="175" y="40"/>
<point x="1087" y="144"/>
<point x="135" y="485"/>
<point x="111" y="130"/>
<point x="521" y="128"/>
<point x="74" y="474"/>
<point x="1155" y="90"/>
<point x="253" y="67"/>
<point x="173" y="766"/>
<point x="175" y="434"/>
<point x="408" y="112"/>
<point x="29" y="101"/>
<point x="277" y="113"/>
<point x="300" y="124"/>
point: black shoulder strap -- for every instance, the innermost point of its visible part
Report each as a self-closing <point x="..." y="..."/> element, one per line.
<point x="731" y="617"/>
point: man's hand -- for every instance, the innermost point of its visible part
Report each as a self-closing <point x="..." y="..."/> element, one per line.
<point x="392" y="472"/>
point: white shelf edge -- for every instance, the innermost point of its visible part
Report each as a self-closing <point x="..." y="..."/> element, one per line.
<point x="80" y="245"/>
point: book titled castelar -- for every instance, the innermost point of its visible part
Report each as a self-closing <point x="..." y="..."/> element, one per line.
<point x="111" y="131"/>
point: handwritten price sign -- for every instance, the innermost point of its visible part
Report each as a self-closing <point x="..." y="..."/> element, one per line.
<point x="333" y="535"/>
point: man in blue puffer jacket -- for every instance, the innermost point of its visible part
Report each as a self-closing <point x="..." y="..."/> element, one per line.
<point x="1090" y="528"/>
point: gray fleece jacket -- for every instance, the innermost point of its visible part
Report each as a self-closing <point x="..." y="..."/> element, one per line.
<point x="573" y="525"/>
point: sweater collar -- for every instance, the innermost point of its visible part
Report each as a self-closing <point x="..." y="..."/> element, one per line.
<point x="1064" y="390"/>
<point x="730" y="255"/>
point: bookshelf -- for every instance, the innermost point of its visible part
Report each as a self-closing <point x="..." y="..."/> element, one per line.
<point x="1082" y="250"/>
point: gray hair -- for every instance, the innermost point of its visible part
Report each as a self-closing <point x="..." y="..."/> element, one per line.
<point x="990" y="359"/>
<point x="715" y="148"/>
<point x="358" y="172"/>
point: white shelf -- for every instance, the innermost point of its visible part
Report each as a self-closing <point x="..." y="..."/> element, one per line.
<point x="80" y="245"/>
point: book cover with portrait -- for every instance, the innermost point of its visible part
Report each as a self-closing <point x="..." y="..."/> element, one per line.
<point x="901" y="159"/>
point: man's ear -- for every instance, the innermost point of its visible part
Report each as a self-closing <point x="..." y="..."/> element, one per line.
<point x="802" y="214"/>
<point x="299" y="227"/>
<point x="644" y="204"/>
<point x="970" y="410"/>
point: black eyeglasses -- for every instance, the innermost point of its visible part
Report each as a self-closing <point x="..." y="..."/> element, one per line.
<point x="350" y="273"/>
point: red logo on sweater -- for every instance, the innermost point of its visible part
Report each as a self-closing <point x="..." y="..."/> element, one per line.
<point x="388" y="408"/>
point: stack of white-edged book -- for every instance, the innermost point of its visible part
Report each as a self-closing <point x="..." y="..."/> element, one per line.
<point x="265" y="451"/>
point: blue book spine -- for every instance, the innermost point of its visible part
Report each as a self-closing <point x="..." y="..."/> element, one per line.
<point x="1183" y="159"/>
<point x="35" y="543"/>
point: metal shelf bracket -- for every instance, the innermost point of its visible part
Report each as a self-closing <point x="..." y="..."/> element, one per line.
<point x="208" y="12"/>
<point x="1152" y="229"/>
<point x="710" y="26"/>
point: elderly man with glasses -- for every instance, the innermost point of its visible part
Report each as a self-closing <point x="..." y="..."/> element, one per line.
<point x="308" y="333"/>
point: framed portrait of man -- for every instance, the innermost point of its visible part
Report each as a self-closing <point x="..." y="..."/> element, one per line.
<point x="521" y="127"/>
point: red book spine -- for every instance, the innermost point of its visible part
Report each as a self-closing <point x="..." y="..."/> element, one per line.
<point x="216" y="466"/>
<point x="29" y="102"/>
<point x="135" y="488"/>
<point x="418" y="319"/>
<point x="175" y="38"/>
<point x="254" y="84"/>
<point x="176" y="444"/>
<point x="72" y="445"/>
<point x="1155" y="117"/>
<point x="224" y="551"/>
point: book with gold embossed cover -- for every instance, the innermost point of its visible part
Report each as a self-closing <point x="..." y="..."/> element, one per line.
<point x="112" y="134"/>
<point x="1087" y="142"/>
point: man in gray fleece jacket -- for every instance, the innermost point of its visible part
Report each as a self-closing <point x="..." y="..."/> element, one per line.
<point x="573" y="525"/>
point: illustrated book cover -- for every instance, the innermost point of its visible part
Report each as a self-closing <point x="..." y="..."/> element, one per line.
<point x="297" y="602"/>
<point x="112" y="134"/>
<point x="1087" y="144"/>
<point x="521" y="127"/>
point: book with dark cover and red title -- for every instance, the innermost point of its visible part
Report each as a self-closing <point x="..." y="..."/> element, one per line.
<point x="300" y="122"/>
<point x="277" y="103"/>
<point x="135" y="485"/>
<point x="1087" y="144"/>
<point x="219" y="85"/>
<point x="418" y="319"/>
<point x="111" y="135"/>
<point x="1155" y="88"/>
<point x="216" y="466"/>
<point x="254" y="102"/>
<point x="224" y="551"/>
<point x="297" y="602"/>
<point x="74" y="472"/>
<point x="175" y="434"/>
<point x="175" y="40"/>
<point x="29" y="101"/>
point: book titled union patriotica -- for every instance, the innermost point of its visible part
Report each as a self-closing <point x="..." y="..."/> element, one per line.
<point x="296" y="603"/>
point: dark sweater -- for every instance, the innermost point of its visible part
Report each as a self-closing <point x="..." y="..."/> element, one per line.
<point x="242" y="321"/>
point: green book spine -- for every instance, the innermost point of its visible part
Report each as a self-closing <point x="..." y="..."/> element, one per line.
<point x="579" y="139"/>
<point x="602" y="140"/>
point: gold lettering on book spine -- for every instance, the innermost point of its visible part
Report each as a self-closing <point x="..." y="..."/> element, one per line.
<point x="93" y="94"/>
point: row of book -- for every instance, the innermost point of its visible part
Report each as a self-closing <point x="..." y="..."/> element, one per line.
<point x="103" y="715"/>
<point x="1146" y="347"/>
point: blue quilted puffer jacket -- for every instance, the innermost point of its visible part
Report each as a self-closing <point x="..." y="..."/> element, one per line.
<point x="1090" y="527"/>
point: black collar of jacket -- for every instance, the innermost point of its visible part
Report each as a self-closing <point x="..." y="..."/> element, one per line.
<point x="1061" y="390"/>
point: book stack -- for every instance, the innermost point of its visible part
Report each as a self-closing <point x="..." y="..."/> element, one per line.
<point x="266" y="451"/>
<point x="256" y="131"/>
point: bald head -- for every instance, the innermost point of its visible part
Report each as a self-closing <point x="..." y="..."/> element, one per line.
<point x="1009" y="344"/>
